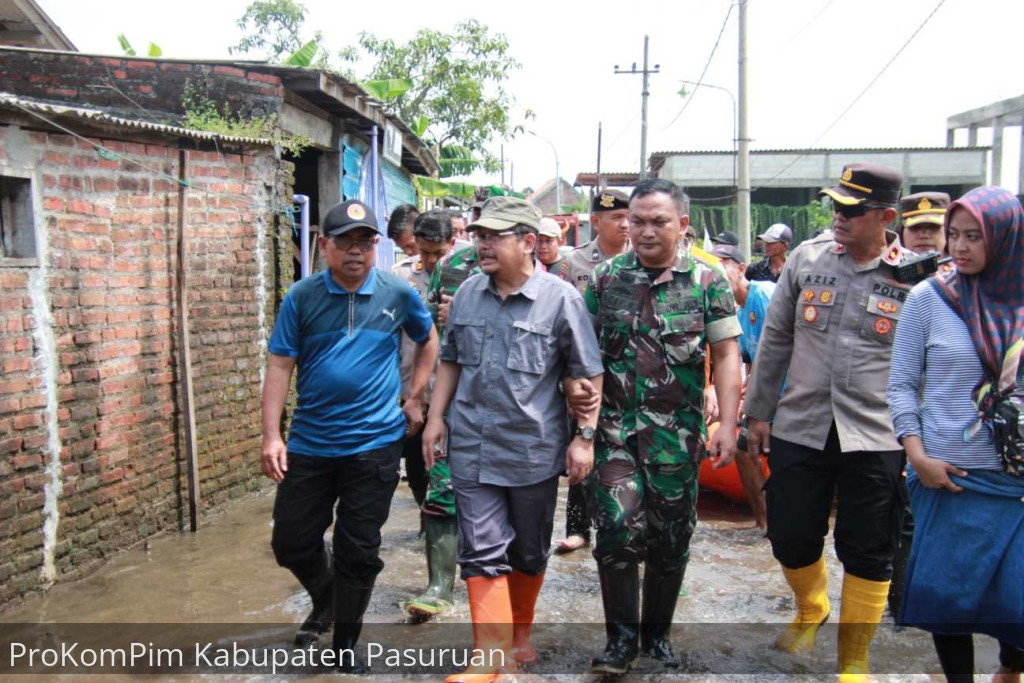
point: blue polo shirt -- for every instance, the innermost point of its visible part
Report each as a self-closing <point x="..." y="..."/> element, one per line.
<point x="752" y="315"/>
<point x="347" y="347"/>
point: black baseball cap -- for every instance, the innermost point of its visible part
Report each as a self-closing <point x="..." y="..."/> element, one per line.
<point x="729" y="251"/>
<point x="726" y="237"/>
<point x="347" y="216"/>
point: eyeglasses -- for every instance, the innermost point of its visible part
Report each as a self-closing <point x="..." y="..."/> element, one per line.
<point x="854" y="211"/>
<point x="345" y="243"/>
<point x="487" y="237"/>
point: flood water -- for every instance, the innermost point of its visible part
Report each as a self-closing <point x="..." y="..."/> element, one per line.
<point x="735" y="599"/>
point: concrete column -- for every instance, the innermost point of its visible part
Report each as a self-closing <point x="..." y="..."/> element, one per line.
<point x="972" y="135"/>
<point x="1020" y="174"/>
<point x="997" y="150"/>
<point x="950" y="136"/>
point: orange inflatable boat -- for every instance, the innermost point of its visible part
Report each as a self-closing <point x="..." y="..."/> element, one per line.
<point x="725" y="481"/>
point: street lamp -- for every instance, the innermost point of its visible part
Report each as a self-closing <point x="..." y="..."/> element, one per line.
<point x="558" y="179"/>
<point x="735" y="133"/>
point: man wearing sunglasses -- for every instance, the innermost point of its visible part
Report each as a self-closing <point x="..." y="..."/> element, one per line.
<point x="341" y="328"/>
<point x="513" y="333"/>
<point x="831" y="322"/>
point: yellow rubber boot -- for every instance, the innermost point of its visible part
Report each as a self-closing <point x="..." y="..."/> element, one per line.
<point x="524" y="589"/>
<point x="491" y="609"/>
<point x="810" y="589"/>
<point x="859" y="615"/>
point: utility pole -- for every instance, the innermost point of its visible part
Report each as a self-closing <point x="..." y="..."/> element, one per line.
<point x="600" y="183"/>
<point x="743" y="190"/>
<point x="503" y="164"/>
<point x="643" y="104"/>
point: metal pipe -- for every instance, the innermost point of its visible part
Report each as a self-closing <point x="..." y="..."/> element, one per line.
<point x="303" y="202"/>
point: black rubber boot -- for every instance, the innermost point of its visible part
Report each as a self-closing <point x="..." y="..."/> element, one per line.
<point x="661" y="591"/>
<point x="620" y="593"/>
<point x="350" y="602"/>
<point x="318" y="580"/>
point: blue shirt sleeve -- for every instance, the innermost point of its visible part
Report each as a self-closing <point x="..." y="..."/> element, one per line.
<point x="284" y="341"/>
<point x="907" y="364"/>
<point x="417" y="322"/>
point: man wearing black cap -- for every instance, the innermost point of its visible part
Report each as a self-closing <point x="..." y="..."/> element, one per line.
<point x="831" y="322"/>
<point x="609" y="216"/>
<point x="776" y="240"/>
<point x="726" y="237"/>
<point x="921" y="217"/>
<point x="342" y="328"/>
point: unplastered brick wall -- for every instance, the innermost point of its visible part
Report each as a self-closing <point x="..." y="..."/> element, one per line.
<point x="136" y="88"/>
<point x="105" y="292"/>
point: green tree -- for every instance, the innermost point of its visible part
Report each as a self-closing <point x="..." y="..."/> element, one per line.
<point x="458" y="96"/>
<point x="273" y="27"/>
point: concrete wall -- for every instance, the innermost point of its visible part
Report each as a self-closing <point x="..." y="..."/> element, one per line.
<point x="91" y="447"/>
<point x="822" y="168"/>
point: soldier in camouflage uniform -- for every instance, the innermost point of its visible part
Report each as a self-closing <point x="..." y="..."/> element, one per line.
<point x="609" y="211"/>
<point x="433" y="236"/>
<point x="449" y="275"/>
<point x="655" y="308"/>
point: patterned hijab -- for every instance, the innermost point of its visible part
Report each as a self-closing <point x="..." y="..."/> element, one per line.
<point x="992" y="302"/>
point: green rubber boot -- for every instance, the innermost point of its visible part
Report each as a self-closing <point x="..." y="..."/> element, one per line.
<point x="442" y="543"/>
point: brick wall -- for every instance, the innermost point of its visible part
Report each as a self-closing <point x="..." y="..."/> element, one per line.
<point x="132" y="87"/>
<point x="109" y="230"/>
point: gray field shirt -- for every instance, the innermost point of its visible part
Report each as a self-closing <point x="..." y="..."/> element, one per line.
<point x="508" y="422"/>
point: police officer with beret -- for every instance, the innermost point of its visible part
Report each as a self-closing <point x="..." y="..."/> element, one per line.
<point x="921" y="217"/>
<point x="831" y="323"/>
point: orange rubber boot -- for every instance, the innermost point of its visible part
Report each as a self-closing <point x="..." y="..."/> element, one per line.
<point x="523" y="589"/>
<point x="491" y="609"/>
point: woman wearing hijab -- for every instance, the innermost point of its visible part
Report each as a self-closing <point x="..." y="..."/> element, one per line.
<point x="958" y="345"/>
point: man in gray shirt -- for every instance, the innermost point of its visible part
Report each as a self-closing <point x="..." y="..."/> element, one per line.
<point x="513" y="334"/>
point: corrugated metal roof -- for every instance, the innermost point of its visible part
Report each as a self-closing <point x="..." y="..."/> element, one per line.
<point x="823" y="150"/>
<point x="97" y="116"/>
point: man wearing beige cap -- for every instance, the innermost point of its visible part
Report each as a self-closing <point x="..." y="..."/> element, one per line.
<point x="513" y="332"/>
<point x="549" y="239"/>
<point x="921" y="217"/>
<point x="776" y="239"/>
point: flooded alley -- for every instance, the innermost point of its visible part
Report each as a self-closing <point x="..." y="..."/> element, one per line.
<point x="222" y="584"/>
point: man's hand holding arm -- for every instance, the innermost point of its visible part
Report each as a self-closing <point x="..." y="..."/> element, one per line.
<point x="579" y="458"/>
<point x="274" y="457"/>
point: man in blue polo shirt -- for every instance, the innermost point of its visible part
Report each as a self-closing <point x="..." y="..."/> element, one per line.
<point x="342" y="328"/>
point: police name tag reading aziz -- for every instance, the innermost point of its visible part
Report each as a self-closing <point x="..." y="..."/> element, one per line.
<point x="215" y="657"/>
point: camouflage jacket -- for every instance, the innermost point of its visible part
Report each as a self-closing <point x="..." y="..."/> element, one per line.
<point x="450" y="273"/>
<point x="653" y="336"/>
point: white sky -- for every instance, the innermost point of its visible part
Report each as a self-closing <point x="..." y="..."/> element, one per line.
<point x="801" y="74"/>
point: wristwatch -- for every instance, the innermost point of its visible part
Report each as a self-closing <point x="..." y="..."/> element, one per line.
<point x="585" y="433"/>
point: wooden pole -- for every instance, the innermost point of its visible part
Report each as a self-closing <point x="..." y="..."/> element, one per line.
<point x="187" y="400"/>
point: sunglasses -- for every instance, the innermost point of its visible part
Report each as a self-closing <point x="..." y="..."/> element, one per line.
<point x="856" y="210"/>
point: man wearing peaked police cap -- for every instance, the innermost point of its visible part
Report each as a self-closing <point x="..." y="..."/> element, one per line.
<point x="513" y="333"/>
<point x="609" y="217"/>
<point x="921" y="217"/>
<point x="831" y="322"/>
<point x="776" y="241"/>
<point x="341" y="328"/>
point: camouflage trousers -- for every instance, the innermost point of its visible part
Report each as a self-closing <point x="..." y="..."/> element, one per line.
<point x="644" y="512"/>
<point x="440" y="500"/>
